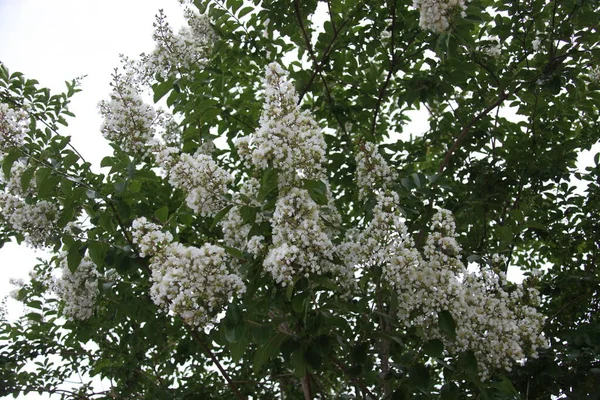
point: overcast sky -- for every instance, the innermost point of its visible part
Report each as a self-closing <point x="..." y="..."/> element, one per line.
<point x="58" y="40"/>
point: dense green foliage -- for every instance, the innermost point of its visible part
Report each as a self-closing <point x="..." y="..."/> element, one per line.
<point x="504" y="132"/>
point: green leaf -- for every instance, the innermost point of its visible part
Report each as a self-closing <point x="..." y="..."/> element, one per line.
<point x="419" y="376"/>
<point x="299" y="302"/>
<point x="473" y="258"/>
<point x="505" y="386"/>
<point x="449" y="391"/>
<point x="135" y="186"/>
<point x="26" y="178"/>
<point x="359" y="353"/>
<point x="120" y="186"/>
<point x="447" y="324"/>
<point x="289" y="291"/>
<point x="161" y="89"/>
<point x="469" y="362"/>
<point x="298" y="362"/>
<point x="268" y="183"/>
<point x="248" y="214"/>
<point x="235" y="252"/>
<point x="107" y="161"/>
<point x="244" y="11"/>
<point x="234" y="334"/>
<point x="8" y="161"/>
<point x="162" y="214"/>
<point x="317" y="191"/>
<point x="238" y="349"/>
<point x="264" y="353"/>
<point x="233" y="316"/>
<point x="45" y="181"/>
<point x="220" y="215"/>
<point x="33" y="316"/>
<point x="75" y="255"/>
<point x="97" y="251"/>
<point x="434" y="348"/>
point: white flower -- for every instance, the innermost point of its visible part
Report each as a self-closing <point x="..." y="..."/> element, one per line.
<point x="78" y="290"/>
<point x="204" y="181"/>
<point x="372" y="171"/>
<point x="436" y="15"/>
<point x="128" y="122"/>
<point x="235" y="230"/>
<point x="493" y="50"/>
<point x="595" y="74"/>
<point x="37" y="222"/>
<point x="14" y="125"/>
<point x="14" y="184"/>
<point x="288" y="139"/>
<point x="192" y="282"/>
<point x="149" y="237"/>
<point x="176" y="53"/>
<point x="300" y="241"/>
<point x="494" y="324"/>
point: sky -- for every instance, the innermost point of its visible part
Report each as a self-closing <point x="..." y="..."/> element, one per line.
<point x="57" y="41"/>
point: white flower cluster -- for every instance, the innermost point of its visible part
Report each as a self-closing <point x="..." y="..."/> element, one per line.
<point x="301" y="245"/>
<point x="288" y="139"/>
<point x="495" y="324"/>
<point x="372" y="171"/>
<point x="493" y="50"/>
<point x="436" y="15"/>
<point x="595" y="74"/>
<point x="14" y="124"/>
<point x="149" y="237"/>
<point x="235" y="230"/>
<point x="536" y="43"/>
<point x="177" y="53"/>
<point x="18" y="283"/>
<point x="128" y="121"/>
<point x="200" y="176"/>
<point x="13" y="183"/>
<point x="192" y="282"/>
<point x="370" y="246"/>
<point x="37" y="222"/>
<point x="77" y="290"/>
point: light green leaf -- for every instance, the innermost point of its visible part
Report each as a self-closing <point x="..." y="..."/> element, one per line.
<point x="162" y="214"/>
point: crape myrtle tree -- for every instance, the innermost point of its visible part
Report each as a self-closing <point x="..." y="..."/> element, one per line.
<point x="276" y="230"/>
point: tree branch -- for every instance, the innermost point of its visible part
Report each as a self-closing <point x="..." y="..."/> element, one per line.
<point x="356" y="381"/>
<point x="467" y="128"/>
<point x="327" y="52"/>
<point x="306" y="387"/>
<point x="215" y="360"/>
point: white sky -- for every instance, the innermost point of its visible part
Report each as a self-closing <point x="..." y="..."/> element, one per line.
<point x="56" y="41"/>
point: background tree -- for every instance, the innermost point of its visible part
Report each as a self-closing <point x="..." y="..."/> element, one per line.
<point x="278" y="234"/>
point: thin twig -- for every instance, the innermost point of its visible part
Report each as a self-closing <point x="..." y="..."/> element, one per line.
<point x="467" y="128"/>
<point x="215" y="360"/>
<point x="356" y="381"/>
<point x="328" y="51"/>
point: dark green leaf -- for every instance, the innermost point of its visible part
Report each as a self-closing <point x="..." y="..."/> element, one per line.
<point x="434" y="348"/>
<point x="447" y="324"/>
<point x="264" y="353"/>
